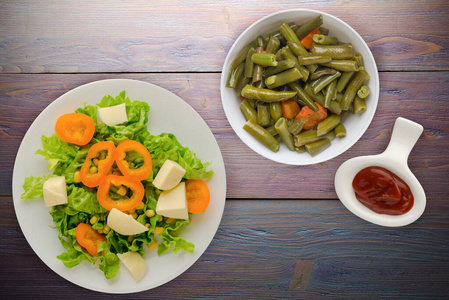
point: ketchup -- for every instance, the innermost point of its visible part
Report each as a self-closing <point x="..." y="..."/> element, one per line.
<point x="382" y="191"/>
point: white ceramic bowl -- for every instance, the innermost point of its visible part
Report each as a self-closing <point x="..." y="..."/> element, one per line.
<point x="356" y="125"/>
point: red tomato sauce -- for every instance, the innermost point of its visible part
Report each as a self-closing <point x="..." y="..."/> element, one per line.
<point x="382" y="191"/>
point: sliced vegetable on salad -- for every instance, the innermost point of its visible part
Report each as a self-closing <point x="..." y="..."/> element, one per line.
<point x="115" y="188"/>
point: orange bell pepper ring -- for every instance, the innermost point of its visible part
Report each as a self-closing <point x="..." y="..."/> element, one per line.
<point x="92" y="175"/>
<point x="88" y="238"/>
<point x="124" y="202"/>
<point x="143" y="171"/>
<point x="75" y="128"/>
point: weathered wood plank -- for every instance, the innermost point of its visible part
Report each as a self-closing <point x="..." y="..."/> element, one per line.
<point x="141" y="36"/>
<point x="420" y="96"/>
<point x="272" y="249"/>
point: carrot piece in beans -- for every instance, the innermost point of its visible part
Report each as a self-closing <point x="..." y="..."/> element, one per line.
<point x="312" y="118"/>
<point x="290" y="108"/>
<point x="198" y="195"/>
<point x="307" y="40"/>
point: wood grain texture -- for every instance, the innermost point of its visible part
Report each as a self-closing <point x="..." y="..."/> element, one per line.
<point x="148" y="36"/>
<point x="419" y="96"/>
<point x="275" y="249"/>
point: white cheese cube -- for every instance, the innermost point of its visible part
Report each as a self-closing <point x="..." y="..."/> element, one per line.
<point x="123" y="223"/>
<point x="134" y="263"/>
<point x="173" y="203"/>
<point x="113" y="115"/>
<point x="55" y="191"/>
<point x="169" y="175"/>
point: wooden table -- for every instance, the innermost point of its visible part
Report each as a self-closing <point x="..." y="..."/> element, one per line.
<point x="284" y="233"/>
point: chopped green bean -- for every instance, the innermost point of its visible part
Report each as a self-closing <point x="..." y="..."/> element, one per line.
<point x="241" y="56"/>
<point x="322" y="39"/>
<point x="321" y="72"/>
<point x="314" y="59"/>
<point x="328" y="124"/>
<point x="258" y="69"/>
<point x="343" y="80"/>
<point x="275" y="110"/>
<point x="330" y="91"/>
<point x="322" y="82"/>
<point x="341" y="51"/>
<point x="234" y="75"/>
<point x="262" y="135"/>
<point x="288" y="54"/>
<point x="265" y="95"/>
<point x="281" y="127"/>
<point x="294" y="86"/>
<point x="264" y="59"/>
<point x="309" y="26"/>
<point x="342" y="65"/>
<point x="318" y="146"/>
<point x="273" y="45"/>
<point x="281" y="66"/>
<point x="363" y="91"/>
<point x="359" y="59"/>
<point x="359" y="105"/>
<point x="263" y="114"/>
<point x="249" y="65"/>
<point x="297" y="125"/>
<point x="241" y="82"/>
<point x="283" y="78"/>
<point x="248" y="111"/>
<point x="340" y="131"/>
<point x="288" y="33"/>
<point x="306" y="137"/>
<point x="352" y="89"/>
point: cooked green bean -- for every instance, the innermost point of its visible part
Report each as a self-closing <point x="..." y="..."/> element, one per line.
<point x="359" y="59"/>
<point x="299" y="50"/>
<point x="328" y="124"/>
<point x="281" y="127"/>
<point x="352" y="89"/>
<point x="297" y="125"/>
<point x="241" y="56"/>
<point x="234" y="75"/>
<point x="359" y="105"/>
<point x="314" y="59"/>
<point x="334" y="106"/>
<point x="288" y="54"/>
<point x="249" y="65"/>
<point x="318" y="146"/>
<point x="271" y="130"/>
<point x="324" y="31"/>
<point x="340" y="131"/>
<point x="275" y="110"/>
<point x="343" y="80"/>
<point x="309" y="26"/>
<point x="288" y="33"/>
<point x="363" y="91"/>
<point x="241" y="82"/>
<point x="341" y="51"/>
<point x="263" y="114"/>
<point x="265" y="95"/>
<point x="273" y="45"/>
<point x="262" y="135"/>
<point x="322" y="39"/>
<point x="281" y="66"/>
<point x="248" y="111"/>
<point x="294" y="86"/>
<point x="264" y="59"/>
<point x="343" y="65"/>
<point x="322" y="82"/>
<point x="306" y="137"/>
<point x="258" y="69"/>
<point x="260" y="42"/>
<point x="283" y="78"/>
<point x="330" y="135"/>
<point x="339" y="96"/>
<point x="321" y="72"/>
<point x="331" y="88"/>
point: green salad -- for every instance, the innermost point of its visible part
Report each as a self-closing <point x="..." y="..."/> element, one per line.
<point x="65" y="159"/>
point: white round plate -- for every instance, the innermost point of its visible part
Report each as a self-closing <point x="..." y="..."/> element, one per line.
<point x="356" y="125"/>
<point x="192" y="132"/>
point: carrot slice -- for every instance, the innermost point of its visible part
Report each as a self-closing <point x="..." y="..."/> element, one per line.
<point x="75" y="128"/>
<point x="88" y="238"/>
<point x="290" y="108"/>
<point x="198" y="196"/>
<point x="307" y="40"/>
<point x="312" y="118"/>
